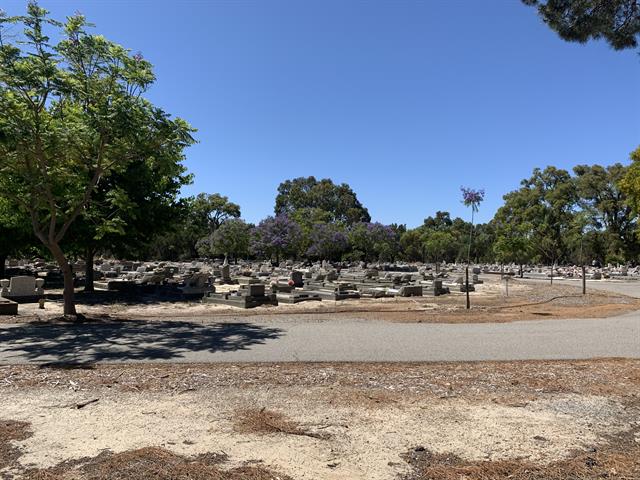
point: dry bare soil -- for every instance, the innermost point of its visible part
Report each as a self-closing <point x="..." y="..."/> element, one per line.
<point x="472" y="421"/>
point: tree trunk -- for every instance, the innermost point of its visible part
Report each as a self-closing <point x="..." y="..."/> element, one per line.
<point x="69" y="292"/>
<point x="88" y="272"/>
<point x="467" y="285"/>
<point x="521" y="271"/>
<point x="3" y="259"/>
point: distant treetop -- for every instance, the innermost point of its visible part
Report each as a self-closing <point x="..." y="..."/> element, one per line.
<point x="307" y="193"/>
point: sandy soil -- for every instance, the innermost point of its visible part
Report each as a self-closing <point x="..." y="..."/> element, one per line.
<point x="526" y="301"/>
<point x="344" y="421"/>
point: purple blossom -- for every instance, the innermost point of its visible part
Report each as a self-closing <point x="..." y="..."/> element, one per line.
<point x="327" y="242"/>
<point x="275" y="236"/>
<point x="138" y="57"/>
<point x="472" y="198"/>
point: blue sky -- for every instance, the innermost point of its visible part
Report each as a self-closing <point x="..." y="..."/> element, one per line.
<point x="404" y="100"/>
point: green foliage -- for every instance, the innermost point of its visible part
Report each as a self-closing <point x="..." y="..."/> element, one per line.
<point x="437" y="243"/>
<point x="211" y="211"/>
<point x="73" y="115"/>
<point x="16" y="236"/>
<point x="606" y="206"/>
<point x="512" y="244"/>
<point x="308" y="219"/>
<point x="543" y="208"/>
<point x="616" y="21"/>
<point x="305" y="193"/>
<point x="412" y="245"/>
<point x="630" y="184"/>
<point x="374" y="242"/>
<point x="231" y="239"/>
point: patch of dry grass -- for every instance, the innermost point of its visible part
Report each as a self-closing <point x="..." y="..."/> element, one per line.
<point x="11" y="431"/>
<point x="506" y="382"/>
<point x="263" y="421"/>
<point x="617" y="460"/>
<point x="151" y="463"/>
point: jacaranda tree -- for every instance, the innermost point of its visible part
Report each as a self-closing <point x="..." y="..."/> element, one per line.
<point x="471" y="198"/>
<point x="72" y="114"/>
<point x="276" y="237"/>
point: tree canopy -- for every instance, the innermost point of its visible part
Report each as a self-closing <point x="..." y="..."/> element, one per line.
<point x="73" y="114"/>
<point x="307" y="193"/>
<point x="616" y="21"/>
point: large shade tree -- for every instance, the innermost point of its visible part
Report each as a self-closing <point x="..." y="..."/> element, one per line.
<point x="543" y="209"/>
<point x="72" y="114"/>
<point x="607" y="207"/>
<point x="630" y="184"/>
<point x="129" y="209"/>
<point x="307" y="193"/>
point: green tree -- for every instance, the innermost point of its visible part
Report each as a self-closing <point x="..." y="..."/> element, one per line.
<point x="544" y="209"/>
<point x="340" y="201"/>
<point x="128" y="209"/>
<point x="459" y="230"/>
<point x="73" y="114"/>
<point x="231" y="239"/>
<point x="412" y="245"/>
<point x="512" y="244"/>
<point x="630" y="185"/>
<point x="213" y="210"/>
<point x="607" y="207"/>
<point x="616" y="21"/>
<point x="436" y="244"/>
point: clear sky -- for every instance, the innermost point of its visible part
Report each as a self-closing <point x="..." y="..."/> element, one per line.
<point x="404" y="100"/>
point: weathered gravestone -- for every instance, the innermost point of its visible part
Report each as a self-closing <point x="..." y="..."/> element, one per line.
<point x="22" y="289"/>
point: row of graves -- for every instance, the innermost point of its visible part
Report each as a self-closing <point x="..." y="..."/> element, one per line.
<point x="243" y="285"/>
<point x="591" y="272"/>
<point x="251" y="284"/>
<point x="266" y="285"/>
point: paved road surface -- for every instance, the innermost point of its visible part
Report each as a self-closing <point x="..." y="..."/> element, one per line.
<point x="265" y="339"/>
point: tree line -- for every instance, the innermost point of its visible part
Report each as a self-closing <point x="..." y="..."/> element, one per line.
<point x="554" y="217"/>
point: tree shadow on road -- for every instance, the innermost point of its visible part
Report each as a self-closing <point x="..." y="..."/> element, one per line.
<point x="127" y="340"/>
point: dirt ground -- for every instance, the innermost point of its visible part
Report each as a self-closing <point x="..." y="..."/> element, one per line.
<point x="526" y="301"/>
<point x="473" y="421"/>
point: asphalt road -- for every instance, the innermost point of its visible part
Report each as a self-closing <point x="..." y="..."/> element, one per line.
<point x="320" y="339"/>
